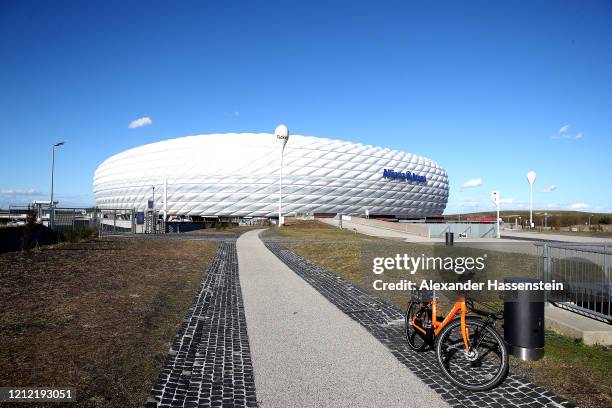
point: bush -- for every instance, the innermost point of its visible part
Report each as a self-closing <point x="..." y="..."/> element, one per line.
<point x="28" y="241"/>
<point x="83" y="234"/>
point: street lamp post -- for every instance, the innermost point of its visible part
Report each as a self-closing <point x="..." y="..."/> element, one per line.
<point x="51" y="204"/>
<point x="282" y="136"/>
<point x="151" y="213"/>
<point x="531" y="177"/>
<point x="495" y="198"/>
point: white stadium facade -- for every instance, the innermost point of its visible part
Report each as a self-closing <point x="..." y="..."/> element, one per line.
<point x="237" y="175"/>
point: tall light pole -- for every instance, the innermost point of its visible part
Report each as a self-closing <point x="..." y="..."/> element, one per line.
<point x="496" y="199"/>
<point x="282" y="136"/>
<point x="531" y="177"/>
<point x="51" y="204"/>
<point x="165" y="199"/>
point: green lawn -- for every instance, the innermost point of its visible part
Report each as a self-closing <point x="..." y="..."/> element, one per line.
<point x="312" y="230"/>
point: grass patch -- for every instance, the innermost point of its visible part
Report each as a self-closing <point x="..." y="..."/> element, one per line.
<point x="77" y="235"/>
<point x="353" y="261"/>
<point x="312" y="230"/>
<point x="570" y="351"/>
<point x="571" y="369"/>
<point x="98" y="316"/>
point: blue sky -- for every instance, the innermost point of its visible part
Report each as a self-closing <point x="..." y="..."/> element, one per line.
<point x="488" y="89"/>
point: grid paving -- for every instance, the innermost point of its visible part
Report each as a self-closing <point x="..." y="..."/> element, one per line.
<point x="385" y="322"/>
<point x="209" y="362"/>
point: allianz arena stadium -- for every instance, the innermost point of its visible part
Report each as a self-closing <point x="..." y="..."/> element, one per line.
<point x="237" y="175"/>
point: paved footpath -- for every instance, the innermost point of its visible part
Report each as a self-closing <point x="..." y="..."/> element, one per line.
<point x="308" y="353"/>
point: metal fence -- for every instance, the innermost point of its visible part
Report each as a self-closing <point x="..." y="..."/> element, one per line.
<point x="104" y="221"/>
<point x="115" y="221"/>
<point x="584" y="271"/>
<point x="71" y="219"/>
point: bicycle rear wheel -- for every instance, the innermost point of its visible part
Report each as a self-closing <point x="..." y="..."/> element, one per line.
<point x="484" y="367"/>
<point x="420" y="315"/>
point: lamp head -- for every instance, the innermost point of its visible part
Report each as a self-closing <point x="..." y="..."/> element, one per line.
<point x="281" y="132"/>
<point x="531" y="177"/>
<point x="282" y="135"/>
<point x="59" y="144"/>
<point x="495" y="197"/>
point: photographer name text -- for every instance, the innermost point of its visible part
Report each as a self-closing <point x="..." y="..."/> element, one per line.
<point x="425" y="284"/>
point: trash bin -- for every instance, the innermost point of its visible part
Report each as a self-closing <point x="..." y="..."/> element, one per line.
<point x="524" y="320"/>
<point x="450" y="238"/>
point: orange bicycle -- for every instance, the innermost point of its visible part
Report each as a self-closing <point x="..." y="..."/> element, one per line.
<point x="470" y="351"/>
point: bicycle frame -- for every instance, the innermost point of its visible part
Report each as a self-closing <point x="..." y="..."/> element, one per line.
<point x="458" y="307"/>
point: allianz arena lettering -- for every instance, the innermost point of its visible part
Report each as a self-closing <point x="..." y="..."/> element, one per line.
<point x="408" y="176"/>
<point x="237" y="175"/>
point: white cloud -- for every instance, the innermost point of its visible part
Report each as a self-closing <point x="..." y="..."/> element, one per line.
<point x="579" y="206"/>
<point x="471" y="183"/>
<point x="564" y="133"/>
<point x="29" y="192"/>
<point x="471" y="202"/>
<point x="508" y="200"/>
<point x="140" y="122"/>
<point x="549" y="189"/>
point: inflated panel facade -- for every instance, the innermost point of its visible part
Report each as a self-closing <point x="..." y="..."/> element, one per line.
<point x="238" y="175"/>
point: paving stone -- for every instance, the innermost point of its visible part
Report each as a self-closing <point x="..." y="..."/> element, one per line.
<point x="212" y="342"/>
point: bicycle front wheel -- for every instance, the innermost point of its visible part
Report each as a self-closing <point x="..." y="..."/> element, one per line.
<point x="484" y="367"/>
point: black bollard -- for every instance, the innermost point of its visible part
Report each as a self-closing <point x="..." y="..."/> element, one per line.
<point x="524" y="320"/>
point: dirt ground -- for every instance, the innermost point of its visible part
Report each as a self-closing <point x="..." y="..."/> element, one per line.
<point x="98" y="316"/>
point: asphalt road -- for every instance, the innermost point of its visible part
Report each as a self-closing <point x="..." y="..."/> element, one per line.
<point x="306" y="352"/>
